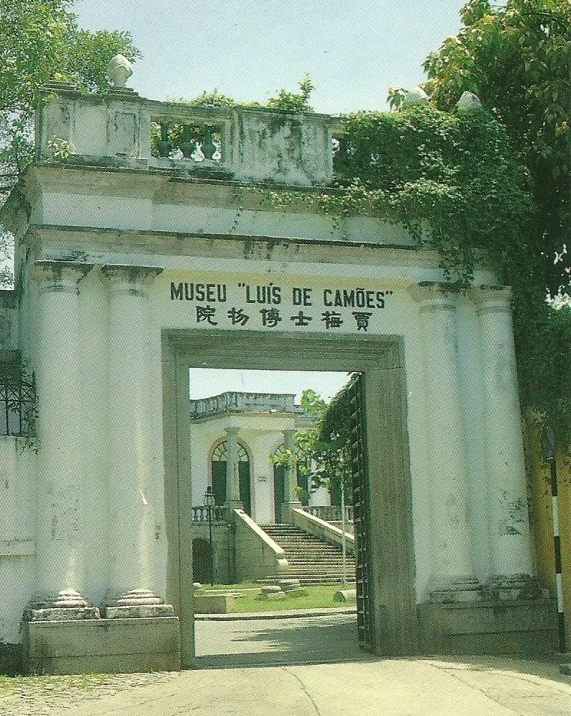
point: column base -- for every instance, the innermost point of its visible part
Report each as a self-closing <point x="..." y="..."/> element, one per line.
<point x="461" y="589"/>
<point x="137" y="604"/>
<point x="234" y="505"/>
<point x="507" y="588"/>
<point x="66" y="605"/>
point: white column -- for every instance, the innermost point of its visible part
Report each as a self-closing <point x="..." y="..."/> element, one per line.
<point x="232" y="474"/>
<point x="60" y="567"/>
<point x="451" y="539"/>
<point x="131" y="481"/>
<point x="507" y="494"/>
<point x="290" y="477"/>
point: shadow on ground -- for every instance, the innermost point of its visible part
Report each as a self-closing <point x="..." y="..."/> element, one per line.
<point x="271" y="642"/>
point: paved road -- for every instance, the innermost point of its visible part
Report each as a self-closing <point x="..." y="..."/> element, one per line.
<point x="227" y="683"/>
<point x="264" y="642"/>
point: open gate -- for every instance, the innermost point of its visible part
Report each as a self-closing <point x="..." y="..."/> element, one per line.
<point x="365" y="622"/>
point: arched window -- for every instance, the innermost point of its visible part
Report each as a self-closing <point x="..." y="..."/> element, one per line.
<point x="218" y="471"/>
<point x="220" y="453"/>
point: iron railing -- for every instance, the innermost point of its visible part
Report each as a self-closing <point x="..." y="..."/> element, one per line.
<point x="17" y="402"/>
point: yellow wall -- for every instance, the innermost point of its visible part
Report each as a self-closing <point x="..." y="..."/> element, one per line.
<point x="541" y="519"/>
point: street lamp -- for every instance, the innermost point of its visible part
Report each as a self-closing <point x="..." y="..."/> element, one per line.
<point x="210" y="501"/>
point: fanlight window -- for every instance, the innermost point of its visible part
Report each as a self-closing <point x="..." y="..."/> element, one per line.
<point x="220" y="453"/>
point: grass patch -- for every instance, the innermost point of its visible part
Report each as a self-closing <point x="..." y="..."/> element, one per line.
<point x="250" y="600"/>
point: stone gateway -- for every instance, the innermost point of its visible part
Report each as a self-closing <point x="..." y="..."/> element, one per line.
<point x="134" y="268"/>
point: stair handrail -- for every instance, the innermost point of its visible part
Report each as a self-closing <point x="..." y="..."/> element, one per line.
<point x="322" y="529"/>
<point x="257" y="555"/>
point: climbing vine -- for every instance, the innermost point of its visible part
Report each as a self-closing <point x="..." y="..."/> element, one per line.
<point x="456" y="182"/>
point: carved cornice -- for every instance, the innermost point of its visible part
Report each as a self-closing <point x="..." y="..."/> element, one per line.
<point x="59" y="276"/>
<point x="132" y="280"/>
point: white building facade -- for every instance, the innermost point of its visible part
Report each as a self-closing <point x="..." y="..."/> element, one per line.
<point x="131" y="269"/>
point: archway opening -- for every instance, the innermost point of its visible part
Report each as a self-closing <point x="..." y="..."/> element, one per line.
<point x="387" y="554"/>
<point x="201" y="561"/>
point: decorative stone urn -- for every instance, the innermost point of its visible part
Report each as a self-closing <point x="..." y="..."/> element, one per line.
<point x="119" y="70"/>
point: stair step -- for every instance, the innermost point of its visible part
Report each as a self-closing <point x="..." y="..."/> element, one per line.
<point x="311" y="560"/>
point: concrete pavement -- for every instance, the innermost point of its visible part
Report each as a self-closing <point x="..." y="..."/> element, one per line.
<point x="396" y="687"/>
<point x="275" y="667"/>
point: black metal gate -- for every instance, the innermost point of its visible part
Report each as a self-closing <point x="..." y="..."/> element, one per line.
<point x="362" y="512"/>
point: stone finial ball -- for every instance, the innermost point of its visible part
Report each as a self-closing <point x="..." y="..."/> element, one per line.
<point x="414" y="97"/>
<point x="119" y="70"/>
<point x="468" y="102"/>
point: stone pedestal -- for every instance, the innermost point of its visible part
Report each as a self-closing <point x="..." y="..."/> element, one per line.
<point x="517" y="627"/>
<point x="101" y="646"/>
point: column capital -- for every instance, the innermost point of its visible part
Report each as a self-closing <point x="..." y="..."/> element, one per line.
<point x="432" y="296"/>
<point x="231" y="430"/>
<point x="59" y="276"/>
<point x="491" y="299"/>
<point x="132" y="280"/>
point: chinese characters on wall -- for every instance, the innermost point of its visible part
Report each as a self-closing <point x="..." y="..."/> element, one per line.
<point x="269" y="306"/>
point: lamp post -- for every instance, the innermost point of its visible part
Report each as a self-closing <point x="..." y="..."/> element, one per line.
<point x="210" y="501"/>
<point x="343" y="538"/>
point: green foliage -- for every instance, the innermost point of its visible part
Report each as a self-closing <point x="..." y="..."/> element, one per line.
<point x="333" y="447"/>
<point x="209" y="99"/>
<point x="451" y="179"/>
<point x="517" y="58"/>
<point x="41" y="42"/>
<point x="292" y="101"/>
<point x="313" y="404"/>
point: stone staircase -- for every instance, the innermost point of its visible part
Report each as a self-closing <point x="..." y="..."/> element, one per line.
<point x="310" y="559"/>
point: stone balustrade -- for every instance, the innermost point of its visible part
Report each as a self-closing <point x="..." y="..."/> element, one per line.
<point x="330" y="513"/>
<point x="121" y="129"/>
<point x="219" y="514"/>
<point x="232" y="402"/>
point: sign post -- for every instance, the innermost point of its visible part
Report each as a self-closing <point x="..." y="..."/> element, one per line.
<point x="548" y="443"/>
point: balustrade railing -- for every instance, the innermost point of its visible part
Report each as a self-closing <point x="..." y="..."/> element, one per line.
<point x="330" y="513"/>
<point x="252" y="144"/>
<point x="197" y="143"/>
<point x="219" y="514"/>
<point x="244" y="403"/>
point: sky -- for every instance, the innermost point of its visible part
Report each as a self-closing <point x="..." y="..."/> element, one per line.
<point x="353" y="50"/>
<point x="205" y="382"/>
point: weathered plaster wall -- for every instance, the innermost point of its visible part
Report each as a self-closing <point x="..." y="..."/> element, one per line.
<point x="17" y="537"/>
<point x="118" y="218"/>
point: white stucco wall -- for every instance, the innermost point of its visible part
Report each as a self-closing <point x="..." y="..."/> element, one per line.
<point x="260" y="435"/>
<point x="17" y="533"/>
<point x="294" y="262"/>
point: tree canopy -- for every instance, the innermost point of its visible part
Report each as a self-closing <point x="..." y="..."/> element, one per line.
<point x="40" y="41"/>
<point x="490" y="186"/>
<point x="517" y="58"/>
